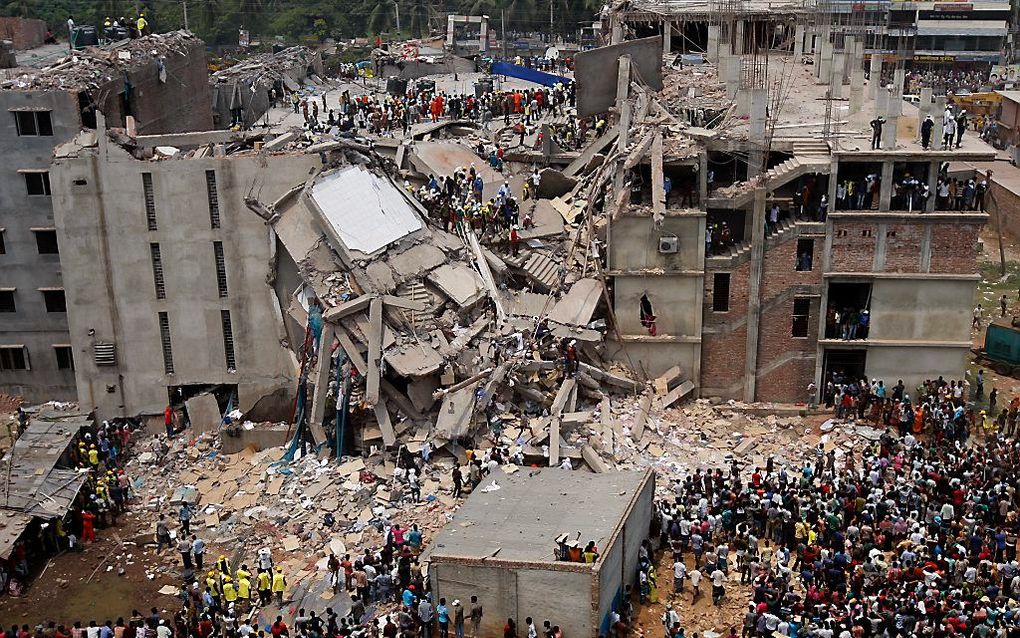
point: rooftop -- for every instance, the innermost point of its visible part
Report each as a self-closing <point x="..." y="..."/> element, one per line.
<point x="521" y="520"/>
<point x="95" y="66"/>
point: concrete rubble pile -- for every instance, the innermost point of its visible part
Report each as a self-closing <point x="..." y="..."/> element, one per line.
<point x="93" y="67"/>
<point x="301" y="510"/>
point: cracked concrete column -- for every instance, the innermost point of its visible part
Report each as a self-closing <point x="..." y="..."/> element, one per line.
<point x="667" y="36"/>
<point x="885" y="188"/>
<point x="713" y="43"/>
<point x="857" y="79"/>
<point x="899" y="76"/>
<point x="732" y="73"/>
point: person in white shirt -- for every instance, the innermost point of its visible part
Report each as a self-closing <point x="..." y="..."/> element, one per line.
<point x="718" y="585"/>
<point x="679" y="573"/>
<point x="695" y="576"/>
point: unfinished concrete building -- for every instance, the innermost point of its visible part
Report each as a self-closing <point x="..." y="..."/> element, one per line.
<point x="169" y="278"/>
<point x="241" y="93"/>
<point x="511" y="557"/>
<point x="159" y="83"/>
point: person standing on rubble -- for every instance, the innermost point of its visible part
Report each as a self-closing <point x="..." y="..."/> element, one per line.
<point x="279" y="585"/>
<point x="198" y="548"/>
<point x="876" y="132"/>
<point x="263" y="585"/>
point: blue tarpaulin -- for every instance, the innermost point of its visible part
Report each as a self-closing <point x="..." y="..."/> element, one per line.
<point x="524" y="73"/>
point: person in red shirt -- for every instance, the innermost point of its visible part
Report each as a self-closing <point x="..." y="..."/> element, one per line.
<point x="279" y="628"/>
<point x="88" y="532"/>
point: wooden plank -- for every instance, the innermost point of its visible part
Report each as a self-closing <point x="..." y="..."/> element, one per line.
<point x="644" y="407"/>
<point x="374" y="336"/>
<point x="382" y="415"/>
<point x="348" y="307"/>
<point x="352" y="350"/>
<point x="321" y="384"/>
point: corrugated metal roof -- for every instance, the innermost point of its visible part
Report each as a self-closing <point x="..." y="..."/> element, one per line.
<point x="366" y="211"/>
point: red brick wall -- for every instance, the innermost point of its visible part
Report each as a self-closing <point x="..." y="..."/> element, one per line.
<point x="786" y="364"/>
<point x="903" y="247"/>
<point x="853" y="252"/>
<point x="26" y="33"/>
<point x="954" y="248"/>
<point x="789" y="361"/>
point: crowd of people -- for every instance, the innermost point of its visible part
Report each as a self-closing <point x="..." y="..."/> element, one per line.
<point x="913" y="534"/>
<point x="385" y="115"/>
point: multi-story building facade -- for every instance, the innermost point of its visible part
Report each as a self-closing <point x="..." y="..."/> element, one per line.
<point x="154" y="84"/>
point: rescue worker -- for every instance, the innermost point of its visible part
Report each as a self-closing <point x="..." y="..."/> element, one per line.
<point x="93" y="456"/>
<point x="263" y="584"/>
<point x="143" y="25"/>
<point x="88" y="532"/>
<point x="229" y="590"/>
<point x="244" y="589"/>
<point x="223" y="565"/>
<point x="279" y="585"/>
<point x="213" y="585"/>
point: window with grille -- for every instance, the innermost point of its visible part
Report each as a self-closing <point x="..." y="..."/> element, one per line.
<point x="33" y="123"/>
<point x="214" y="200"/>
<point x="164" y="337"/>
<point x="14" y="358"/>
<point x="65" y="359"/>
<point x="157" y="271"/>
<point x="801" y="315"/>
<point x="150" y="201"/>
<point x="228" y="339"/>
<point x="221" y="268"/>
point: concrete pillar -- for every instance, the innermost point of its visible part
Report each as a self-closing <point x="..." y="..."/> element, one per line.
<point x="896" y="106"/>
<point x="713" y="43"/>
<point x="729" y="65"/>
<point x="738" y="38"/>
<point x="757" y="114"/>
<point x="933" y="184"/>
<point x="702" y="179"/>
<point x="881" y="102"/>
<point x="923" y="108"/>
<point x="833" y="183"/>
<point x="825" y="65"/>
<point x="816" y="50"/>
<point x="856" y="89"/>
<point x="667" y="36"/>
<point x="754" y="295"/>
<point x="885" y="188"/>
<point x="798" y="43"/>
<point x="836" y="75"/>
<point x="938" y="129"/>
<point x="849" y="48"/>
<point x="616" y="30"/>
<point x="889" y="132"/>
<point x="875" y="80"/>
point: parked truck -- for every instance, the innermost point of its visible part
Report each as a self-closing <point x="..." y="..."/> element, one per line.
<point x="1002" y="347"/>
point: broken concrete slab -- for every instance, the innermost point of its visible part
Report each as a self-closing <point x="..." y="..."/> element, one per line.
<point x="644" y="407"/>
<point x="204" y="413"/>
<point x="459" y="283"/>
<point x="577" y="306"/>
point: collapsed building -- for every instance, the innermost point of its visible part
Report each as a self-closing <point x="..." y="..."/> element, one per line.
<point x="241" y="92"/>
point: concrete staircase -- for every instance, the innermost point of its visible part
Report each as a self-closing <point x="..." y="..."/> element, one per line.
<point x="739" y="253"/>
<point x="542" y="270"/>
<point x="811" y="159"/>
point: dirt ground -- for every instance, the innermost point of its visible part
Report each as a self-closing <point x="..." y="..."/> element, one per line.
<point x="86" y="586"/>
<point x="695" y="616"/>
<point x="992" y="286"/>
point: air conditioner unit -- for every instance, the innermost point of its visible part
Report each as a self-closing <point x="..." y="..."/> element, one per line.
<point x="668" y="244"/>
